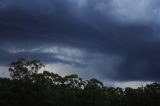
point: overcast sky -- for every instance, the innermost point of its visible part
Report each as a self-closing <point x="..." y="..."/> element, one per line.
<point x="116" y="41"/>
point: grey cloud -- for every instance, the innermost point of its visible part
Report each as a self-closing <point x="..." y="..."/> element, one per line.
<point x="7" y="57"/>
<point x="32" y="24"/>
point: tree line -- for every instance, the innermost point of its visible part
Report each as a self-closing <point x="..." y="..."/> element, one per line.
<point x="27" y="87"/>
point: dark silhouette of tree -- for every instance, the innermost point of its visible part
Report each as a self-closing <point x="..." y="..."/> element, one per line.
<point x="24" y="69"/>
<point x="28" y="87"/>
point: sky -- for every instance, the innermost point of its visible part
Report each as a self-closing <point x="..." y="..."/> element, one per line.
<point x="115" y="41"/>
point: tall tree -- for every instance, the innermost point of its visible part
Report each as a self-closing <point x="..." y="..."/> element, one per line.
<point x="24" y="69"/>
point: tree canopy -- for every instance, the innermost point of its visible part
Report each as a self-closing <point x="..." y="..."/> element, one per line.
<point x="27" y="86"/>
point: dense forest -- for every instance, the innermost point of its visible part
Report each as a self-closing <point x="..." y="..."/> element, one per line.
<point x="28" y="87"/>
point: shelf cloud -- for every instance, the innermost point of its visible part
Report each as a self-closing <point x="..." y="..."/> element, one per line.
<point x="116" y="40"/>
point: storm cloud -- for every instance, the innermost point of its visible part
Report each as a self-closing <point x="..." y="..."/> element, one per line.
<point x="117" y="39"/>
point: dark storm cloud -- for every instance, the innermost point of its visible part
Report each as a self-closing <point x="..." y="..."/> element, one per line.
<point x="46" y="57"/>
<point x="84" y="24"/>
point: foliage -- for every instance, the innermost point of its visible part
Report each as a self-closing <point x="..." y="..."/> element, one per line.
<point x="28" y="87"/>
